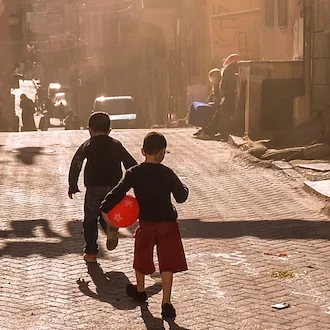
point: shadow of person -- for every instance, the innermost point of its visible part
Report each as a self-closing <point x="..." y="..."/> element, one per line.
<point x="111" y="288"/>
<point x="26" y="155"/>
<point x="155" y="323"/>
<point x="26" y="228"/>
<point x="151" y="322"/>
<point x="38" y="237"/>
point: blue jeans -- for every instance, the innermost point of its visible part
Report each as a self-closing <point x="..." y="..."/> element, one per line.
<point x="93" y="198"/>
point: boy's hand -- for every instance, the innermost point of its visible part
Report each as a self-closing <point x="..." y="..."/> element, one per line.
<point x="71" y="193"/>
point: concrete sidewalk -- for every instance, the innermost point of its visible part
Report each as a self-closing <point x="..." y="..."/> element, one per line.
<point x="253" y="238"/>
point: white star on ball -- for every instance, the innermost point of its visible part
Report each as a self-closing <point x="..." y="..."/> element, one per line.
<point x="129" y="203"/>
<point x="117" y="217"/>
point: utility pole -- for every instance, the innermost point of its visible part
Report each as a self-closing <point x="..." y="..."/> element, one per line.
<point x="308" y="38"/>
<point x="118" y="8"/>
<point x="7" y="107"/>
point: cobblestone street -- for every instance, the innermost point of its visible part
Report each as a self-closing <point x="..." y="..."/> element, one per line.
<point x="242" y="226"/>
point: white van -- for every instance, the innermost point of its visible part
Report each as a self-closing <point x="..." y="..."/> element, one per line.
<point x="121" y="109"/>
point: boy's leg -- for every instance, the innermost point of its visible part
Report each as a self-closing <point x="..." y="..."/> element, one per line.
<point x="167" y="281"/>
<point x="111" y="232"/>
<point x="171" y="256"/>
<point x="138" y="291"/>
<point x="143" y="260"/>
<point x="171" y="259"/>
<point x="140" y="279"/>
<point x="93" y="199"/>
<point x="90" y="225"/>
<point x="167" y="308"/>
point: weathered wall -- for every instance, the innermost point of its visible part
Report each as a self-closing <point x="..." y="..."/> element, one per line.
<point x="254" y="73"/>
<point x="321" y="55"/>
<point x="235" y="33"/>
<point x="282" y="42"/>
<point x="7" y="113"/>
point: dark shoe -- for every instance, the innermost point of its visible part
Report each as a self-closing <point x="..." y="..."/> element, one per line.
<point x="168" y="310"/>
<point x="199" y="132"/>
<point x="132" y="292"/>
<point x="203" y="137"/>
<point x="112" y="238"/>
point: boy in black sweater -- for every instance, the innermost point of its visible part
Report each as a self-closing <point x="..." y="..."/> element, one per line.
<point x="153" y="184"/>
<point x="103" y="171"/>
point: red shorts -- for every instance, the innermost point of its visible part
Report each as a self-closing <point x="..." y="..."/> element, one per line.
<point x="166" y="236"/>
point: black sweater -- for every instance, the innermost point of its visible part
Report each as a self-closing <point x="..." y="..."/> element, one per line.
<point x="105" y="156"/>
<point x="153" y="185"/>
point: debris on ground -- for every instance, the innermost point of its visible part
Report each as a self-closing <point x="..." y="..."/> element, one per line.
<point x="279" y="255"/>
<point x="281" y="165"/>
<point x="258" y="151"/>
<point x="310" y="140"/>
<point x="322" y="188"/>
<point x="283" y="274"/>
<point x="321" y="167"/>
<point x="236" y="141"/>
<point x="281" y="306"/>
<point x="309" y="132"/>
<point x="283" y="154"/>
<point x="316" y="151"/>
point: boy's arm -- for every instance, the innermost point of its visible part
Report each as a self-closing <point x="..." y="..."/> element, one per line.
<point x="117" y="193"/>
<point x="127" y="158"/>
<point x="75" y="169"/>
<point x="179" y="190"/>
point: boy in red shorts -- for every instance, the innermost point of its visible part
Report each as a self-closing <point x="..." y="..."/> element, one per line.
<point x="153" y="184"/>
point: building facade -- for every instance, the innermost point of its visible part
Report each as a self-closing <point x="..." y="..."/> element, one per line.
<point x="12" y="56"/>
<point x="234" y="27"/>
<point x="320" y="55"/>
<point x="282" y="30"/>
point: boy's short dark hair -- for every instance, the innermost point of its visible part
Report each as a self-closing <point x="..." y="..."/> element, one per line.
<point x="99" y="122"/>
<point x="153" y="143"/>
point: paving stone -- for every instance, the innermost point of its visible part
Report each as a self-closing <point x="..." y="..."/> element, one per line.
<point x="281" y="165"/>
<point x="236" y="211"/>
<point x="320" y="187"/>
<point x="322" y="167"/>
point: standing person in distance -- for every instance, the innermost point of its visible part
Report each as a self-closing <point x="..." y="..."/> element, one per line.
<point x="28" y="110"/>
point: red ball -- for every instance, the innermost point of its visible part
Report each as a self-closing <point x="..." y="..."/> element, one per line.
<point x="125" y="213"/>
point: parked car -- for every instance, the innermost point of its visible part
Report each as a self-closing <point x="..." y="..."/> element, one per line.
<point x="122" y="110"/>
<point x="61" y="94"/>
<point x="54" y="88"/>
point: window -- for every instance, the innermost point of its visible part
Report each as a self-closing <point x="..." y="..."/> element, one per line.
<point x="269" y="13"/>
<point x="282" y="13"/>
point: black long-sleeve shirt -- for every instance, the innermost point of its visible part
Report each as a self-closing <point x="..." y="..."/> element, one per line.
<point x="153" y="185"/>
<point x="105" y="156"/>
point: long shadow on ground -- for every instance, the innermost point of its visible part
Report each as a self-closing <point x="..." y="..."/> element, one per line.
<point x="110" y="288"/>
<point x="153" y="323"/>
<point x="266" y="229"/>
<point x="20" y="241"/>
